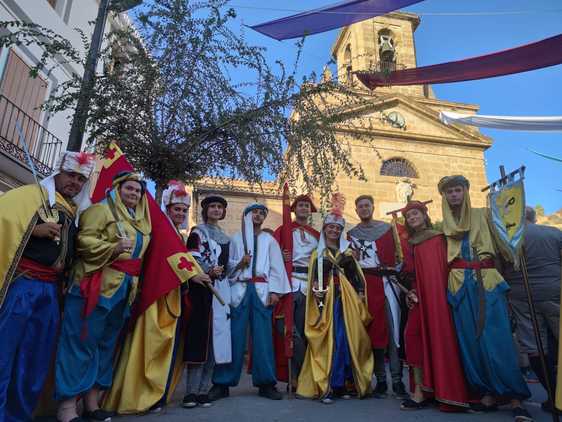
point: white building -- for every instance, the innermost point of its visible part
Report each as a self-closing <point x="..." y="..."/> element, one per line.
<point x="21" y="96"/>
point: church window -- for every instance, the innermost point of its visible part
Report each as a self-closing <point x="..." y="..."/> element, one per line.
<point x="398" y="167"/>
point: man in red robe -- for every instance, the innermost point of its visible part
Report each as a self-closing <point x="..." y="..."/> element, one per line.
<point x="432" y="351"/>
<point x="374" y="246"/>
<point x="305" y="240"/>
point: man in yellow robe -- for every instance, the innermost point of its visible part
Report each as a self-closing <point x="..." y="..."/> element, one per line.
<point x="37" y="226"/>
<point x="339" y="352"/>
<point x="477" y="295"/>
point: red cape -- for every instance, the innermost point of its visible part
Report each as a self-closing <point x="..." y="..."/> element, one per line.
<point x="378" y="328"/>
<point x="283" y="342"/>
<point x="294" y="226"/>
<point x="430" y="337"/>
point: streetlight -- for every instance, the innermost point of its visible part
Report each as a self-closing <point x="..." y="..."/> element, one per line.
<point x="80" y="115"/>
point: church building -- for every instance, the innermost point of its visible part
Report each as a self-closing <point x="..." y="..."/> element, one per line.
<point x="410" y="149"/>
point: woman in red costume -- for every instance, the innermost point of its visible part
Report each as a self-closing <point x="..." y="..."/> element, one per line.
<point x="431" y="343"/>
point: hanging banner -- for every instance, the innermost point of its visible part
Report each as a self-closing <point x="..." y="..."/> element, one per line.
<point x="506" y="203"/>
<point x="526" y="123"/>
<point x="537" y="55"/>
<point x="328" y="17"/>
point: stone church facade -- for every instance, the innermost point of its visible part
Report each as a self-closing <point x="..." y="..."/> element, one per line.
<point x="410" y="149"/>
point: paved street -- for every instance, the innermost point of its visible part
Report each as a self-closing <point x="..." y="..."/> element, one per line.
<point x="245" y="405"/>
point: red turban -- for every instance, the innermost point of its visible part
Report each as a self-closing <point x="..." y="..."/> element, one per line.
<point x="417" y="205"/>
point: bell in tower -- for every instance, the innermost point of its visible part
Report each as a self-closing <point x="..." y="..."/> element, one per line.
<point x="386" y="53"/>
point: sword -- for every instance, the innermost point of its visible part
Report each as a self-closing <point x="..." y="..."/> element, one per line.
<point x="121" y="232"/>
<point x="396" y="236"/>
<point x="481" y="295"/>
<point x="51" y="215"/>
<point x="320" y="290"/>
<point x="215" y="292"/>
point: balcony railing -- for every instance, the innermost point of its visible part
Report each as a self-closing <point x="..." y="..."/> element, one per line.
<point x="43" y="146"/>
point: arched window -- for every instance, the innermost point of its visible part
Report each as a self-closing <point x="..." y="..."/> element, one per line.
<point x="398" y="167"/>
<point x="387" y="51"/>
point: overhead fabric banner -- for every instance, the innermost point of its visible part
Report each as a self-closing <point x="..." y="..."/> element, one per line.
<point x="534" y="123"/>
<point x="328" y="17"/>
<point x="506" y="204"/>
<point x="537" y="55"/>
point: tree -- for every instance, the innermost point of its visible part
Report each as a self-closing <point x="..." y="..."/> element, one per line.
<point x="186" y="97"/>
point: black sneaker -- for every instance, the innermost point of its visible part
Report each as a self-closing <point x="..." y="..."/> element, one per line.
<point x="157" y="407"/>
<point x="203" y="400"/>
<point x="380" y="390"/>
<point x="400" y="391"/>
<point x="189" y="401"/>
<point x="218" y="392"/>
<point x="341" y="393"/>
<point x="410" y="404"/>
<point x="520" y="414"/>
<point x="270" y="392"/>
<point x="327" y="399"/>
<point x="98" y="415"/>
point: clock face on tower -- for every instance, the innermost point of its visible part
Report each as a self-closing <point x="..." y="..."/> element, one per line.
<point x="396" y="120"/>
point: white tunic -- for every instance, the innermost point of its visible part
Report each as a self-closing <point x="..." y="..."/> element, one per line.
<point x="269" y="265"/>
<point x="303" y="245"/>
<point x="221" y="314"/>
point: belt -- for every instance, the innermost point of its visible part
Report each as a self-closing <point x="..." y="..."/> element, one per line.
<point x="378" y="271"/>
<point x="458" y="263"/>
<point x="300" y="270"/>
<point x="32" y="269"/>
<point x="90" y="286"/>
<point x="255" y="280"/>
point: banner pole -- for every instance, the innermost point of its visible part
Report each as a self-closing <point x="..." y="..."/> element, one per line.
<point x="533" y="314"/>
<point x="523" y="263"/>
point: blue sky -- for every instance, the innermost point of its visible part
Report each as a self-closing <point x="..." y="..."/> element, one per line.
<point x="452" y="30"/>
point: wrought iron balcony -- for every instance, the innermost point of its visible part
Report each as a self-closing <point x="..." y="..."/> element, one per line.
<point x="44" y="147"/>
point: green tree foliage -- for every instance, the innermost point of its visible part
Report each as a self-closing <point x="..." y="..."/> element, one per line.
<point x="186" y="97"/>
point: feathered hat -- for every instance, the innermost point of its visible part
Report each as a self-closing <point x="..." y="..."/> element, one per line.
<point x="175" y="193"/>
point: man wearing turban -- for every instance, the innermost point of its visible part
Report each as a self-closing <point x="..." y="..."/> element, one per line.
<point x="38" y="226"/>
<point x="258" y="278"/>
<point x="477" y="295"/>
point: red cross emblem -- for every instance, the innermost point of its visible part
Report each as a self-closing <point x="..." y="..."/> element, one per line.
<point x="110" y="153"/>
<point x="184" y="264"/>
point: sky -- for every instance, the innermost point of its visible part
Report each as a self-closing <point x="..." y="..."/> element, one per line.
<point x="453" y="30"/>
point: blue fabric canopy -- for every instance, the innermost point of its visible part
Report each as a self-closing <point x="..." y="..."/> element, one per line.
<point x="328" y="17"/>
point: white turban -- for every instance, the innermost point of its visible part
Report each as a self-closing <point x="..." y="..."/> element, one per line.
<point x="175" y="193"/>
<point x="73" y="162"/>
